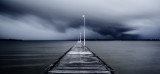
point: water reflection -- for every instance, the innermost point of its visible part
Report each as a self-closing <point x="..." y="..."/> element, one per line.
<point x="126" y="57"/>
<point x="129" y="57"/>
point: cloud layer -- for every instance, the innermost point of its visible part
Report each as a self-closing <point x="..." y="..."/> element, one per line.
<point x="61" y="19"/>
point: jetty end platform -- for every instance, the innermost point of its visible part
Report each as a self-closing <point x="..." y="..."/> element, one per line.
<point x="79" y="59"/>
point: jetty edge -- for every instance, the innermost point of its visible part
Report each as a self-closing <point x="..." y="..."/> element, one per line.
<point x="79" y="59"/>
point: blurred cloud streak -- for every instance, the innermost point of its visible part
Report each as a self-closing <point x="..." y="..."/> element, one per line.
<point x="61" y="19"/>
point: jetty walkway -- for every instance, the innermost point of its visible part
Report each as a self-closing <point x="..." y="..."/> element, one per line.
<point x="79" y="60"/>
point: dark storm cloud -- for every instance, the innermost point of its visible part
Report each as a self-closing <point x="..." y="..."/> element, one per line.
<point x="112" y="29"/>
<point x="7" y="9"/>
<point x="57" y="19"/>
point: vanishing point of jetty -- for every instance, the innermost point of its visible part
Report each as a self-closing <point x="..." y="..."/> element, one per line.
<point x="79" y="60"/>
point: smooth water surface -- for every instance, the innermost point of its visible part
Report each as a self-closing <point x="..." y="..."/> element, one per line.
<point x="125" y="57"/>
<point x="30" y="57"/>
<point x="129" y="57"/>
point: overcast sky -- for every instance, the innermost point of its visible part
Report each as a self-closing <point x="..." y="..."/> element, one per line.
<point x="62" y="19"/>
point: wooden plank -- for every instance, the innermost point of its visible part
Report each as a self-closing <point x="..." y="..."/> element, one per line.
<point x="79" y="60"/>
<point x="78" y="71"/>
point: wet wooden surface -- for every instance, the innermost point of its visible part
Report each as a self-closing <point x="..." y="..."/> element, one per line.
<point x="79" y="60"/>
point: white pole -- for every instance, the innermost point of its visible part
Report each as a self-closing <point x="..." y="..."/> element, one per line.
<point x="80" y="37"/>
<point x="84" y="29"/>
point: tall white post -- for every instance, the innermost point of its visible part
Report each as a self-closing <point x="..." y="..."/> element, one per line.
<point x="84" y="28"/>
<point x="80" y="37"/>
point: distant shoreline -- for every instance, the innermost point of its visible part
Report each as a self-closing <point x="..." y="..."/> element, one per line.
<point x="87" y="40"/>
<point x="10" y="40"/>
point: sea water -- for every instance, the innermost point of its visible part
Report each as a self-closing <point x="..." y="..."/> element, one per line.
<point x="125" y="57"/>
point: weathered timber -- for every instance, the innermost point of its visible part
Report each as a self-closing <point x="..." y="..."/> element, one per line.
<point x="79" y="60"/>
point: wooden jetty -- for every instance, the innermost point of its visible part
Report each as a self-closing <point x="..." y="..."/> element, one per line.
<point x="79" y="60"/>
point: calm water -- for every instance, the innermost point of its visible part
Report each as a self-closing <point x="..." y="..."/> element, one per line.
<point x="126" y="57"/>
